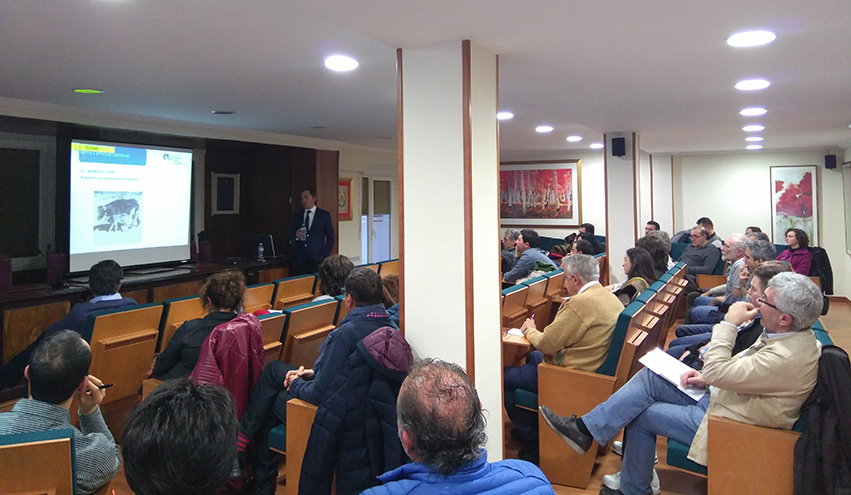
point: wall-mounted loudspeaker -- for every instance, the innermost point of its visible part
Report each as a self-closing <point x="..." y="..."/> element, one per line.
<point x="829" y="161"/>
<point x="618" y="146"/>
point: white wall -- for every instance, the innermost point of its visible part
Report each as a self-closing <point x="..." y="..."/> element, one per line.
<point x="663" y="199"/>
<point x="734" y="191"/>
<point x="645" y="195"/>
<point x="593" y="200"/>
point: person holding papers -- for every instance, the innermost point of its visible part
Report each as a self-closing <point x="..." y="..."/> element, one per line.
<point x="764" y="385"/>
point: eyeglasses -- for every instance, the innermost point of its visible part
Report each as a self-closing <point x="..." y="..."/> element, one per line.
<point x="761" y="300"/>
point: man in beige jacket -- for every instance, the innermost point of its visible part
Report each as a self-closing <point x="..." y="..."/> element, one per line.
<point x="579" y="337"/>
<point x="764" y="385"/>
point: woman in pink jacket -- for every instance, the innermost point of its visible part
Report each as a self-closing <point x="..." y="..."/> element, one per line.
<point x="797" y="254"/>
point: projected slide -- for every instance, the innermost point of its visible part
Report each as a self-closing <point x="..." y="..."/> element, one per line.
<point x="128" y="203"/>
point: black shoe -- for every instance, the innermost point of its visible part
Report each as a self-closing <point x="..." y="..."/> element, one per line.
<point x="530" y="455"/>
<point x="567" y="429"/>
<point x="605" y="490"/>
<point x="236" y="470"/>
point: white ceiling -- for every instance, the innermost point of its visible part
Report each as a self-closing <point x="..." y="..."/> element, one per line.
<point x="657" y="67"/>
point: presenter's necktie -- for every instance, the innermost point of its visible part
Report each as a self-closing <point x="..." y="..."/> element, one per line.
<point x="307" y="219"/>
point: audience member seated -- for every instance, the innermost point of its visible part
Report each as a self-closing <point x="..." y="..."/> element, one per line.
<point x="180" y="439"/>
<point x="756" y="254"/>
<point x="104" y="282"/>
<point x="651" y="227"/>
<point x="221" y="295"/>
<point x="765" y="386"/>
<point x="354" y="432"/>
<point x="332" y="276"/>
<point x="509" y="239"/>
<point x="58" y="373"/>
<point x="752" y="230"/>
<point x="699" y="256"/>
<point x="582" y="246"/>
<point x="578" y="337"/>
<point x="639" y="271"/>
<point x="658" y="250"/>
<point x="390" y="293"/>
<point x="442" y="428"/>
<point x="586" y="231"/>
<point x="529" y="257"/>
<point x="758" y="236"/>
<point x="705" y="306"/>
<point x="706" y="223"/>
<point x="666" y="239"/>
<point x="561" y="250"/>
<point x="695" y="340"/>
<point x="281" y="381"/>
<point x="797" y="254"/>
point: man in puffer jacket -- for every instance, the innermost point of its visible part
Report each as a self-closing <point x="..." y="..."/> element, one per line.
<point x="354" y="429"/>
<point x="441" y="426"/>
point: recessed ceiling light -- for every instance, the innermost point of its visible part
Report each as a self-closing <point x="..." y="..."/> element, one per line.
<point x="505" y="115"/>
<point x="753" y="111"/>
<point x="753" y="128"/>
<point x="751" y="38"/>
<point x="754" y="146"/>
<point x="753" y="139"/>
<point x="85" y="91"/>
<point x="544" y="128"/>
<point x="223" y="112"/>
<point x="596" y="146"/>
<point x="752" y="84"/>
<point x="341" y="63"/>
<point x="574" y="139"/>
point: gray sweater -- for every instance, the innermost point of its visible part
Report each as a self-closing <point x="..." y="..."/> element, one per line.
<point x="700" y="259"/>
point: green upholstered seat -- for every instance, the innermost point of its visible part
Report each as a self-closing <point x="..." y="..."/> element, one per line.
<point x="278" y="438"/>
<point x="513" y="288"/>
<point x="677" y="249"/>
<point x="678" y="457"/>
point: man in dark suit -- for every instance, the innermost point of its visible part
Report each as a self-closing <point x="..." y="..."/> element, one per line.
<point x="312" y="235"/>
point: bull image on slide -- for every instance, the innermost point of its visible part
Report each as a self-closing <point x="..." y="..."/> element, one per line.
<point x="120" y="214"/>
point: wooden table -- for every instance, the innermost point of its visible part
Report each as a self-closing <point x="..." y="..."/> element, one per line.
<point x="514" y="350"/>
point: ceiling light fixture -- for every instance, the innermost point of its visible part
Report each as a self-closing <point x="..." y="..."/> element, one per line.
<point x="223" y="112"/>
<point x="753" y="111"/>
<point x="544" y="128"/>
<point x="753" y="128"/>
<point x="753" y="139"/>
<point x="341" y="63"/>
<point x="574" y="139"/>
<point x="505" y="115"/>
<point x="751" y="38"/>
<point x="754" y="146"/>
<point x="85" y="91"/>
<point x="752" y="84"/>
<point x="596" y="146"/>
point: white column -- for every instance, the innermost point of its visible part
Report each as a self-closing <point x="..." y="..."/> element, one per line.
<point x="621" y="202"/>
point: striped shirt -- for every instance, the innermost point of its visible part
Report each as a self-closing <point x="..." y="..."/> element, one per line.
<point x="97" y="458"/>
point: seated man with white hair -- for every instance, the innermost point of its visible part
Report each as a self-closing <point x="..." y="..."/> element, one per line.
<point x="733" y="252"/>
<point x="764" y="385"/>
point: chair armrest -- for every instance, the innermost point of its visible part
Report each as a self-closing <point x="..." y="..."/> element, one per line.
<point x="300" y="416"/>
<point x="746" y="458"/>
<point x="709" y="281"/>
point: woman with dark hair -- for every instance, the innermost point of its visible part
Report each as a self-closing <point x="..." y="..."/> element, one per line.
<point x="390" y="295"/>
<point x="221" y="295"/>
<point x="751" y="230"/>
<point x="333" y="272"/>
<point x="797" y="254"/>
<point x="640" y="273"/>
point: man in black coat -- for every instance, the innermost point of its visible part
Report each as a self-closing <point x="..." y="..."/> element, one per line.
<point x="312" y="235"/>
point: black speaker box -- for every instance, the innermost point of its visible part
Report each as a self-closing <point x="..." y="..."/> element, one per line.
<point x="618" y="146"/>
<point x="829" y="161"/>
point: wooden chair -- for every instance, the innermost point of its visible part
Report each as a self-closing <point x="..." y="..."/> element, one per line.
<point x="123" y="343"/>
<point x="603" y="261"/>
<point x="258" y="297"/>
<point x="38" y="462"/>
<point x="342" y="311"/>
<point x="308" y="325"/>
<point x="22" y="326"/>
<point x="273" y="329"/>
<point x="372" y="266"/>
<point x="514" y="306"/>
<point x="389" y="267"/>
<point x="293" y="291"/>
<point x="709" y="281"/>
<point x="537" y="304"/>
<point x="175" y="313"/>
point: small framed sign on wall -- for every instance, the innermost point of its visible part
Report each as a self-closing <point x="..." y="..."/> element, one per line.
<point x="225" y="194"/>
<point x="344" y="199"/>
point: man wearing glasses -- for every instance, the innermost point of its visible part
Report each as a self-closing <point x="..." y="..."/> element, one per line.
<point x="764" y="385"/>
<point x="700" y="256"/>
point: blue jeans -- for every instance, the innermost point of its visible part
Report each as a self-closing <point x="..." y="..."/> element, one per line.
<point x="696" y="329"/>
<point x="523" y="377"/>
<point x="648" y="405"/>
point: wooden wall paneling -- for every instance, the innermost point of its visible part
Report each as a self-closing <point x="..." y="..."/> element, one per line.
<point x="141" y="296"/>
<point x="173" y="291"/>
<point x="272" y="274"/>
<point x="327" y="176"/>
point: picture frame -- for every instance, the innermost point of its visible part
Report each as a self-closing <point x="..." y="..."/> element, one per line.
<point x="794" y="190"/>
<point x="344" y="199"/>
<point x="224" y="194"/>
<point x="543" y="192"/>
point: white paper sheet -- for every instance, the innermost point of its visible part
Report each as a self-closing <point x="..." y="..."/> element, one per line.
<point x="515" y="331"/>
<point x="666" y="366"/>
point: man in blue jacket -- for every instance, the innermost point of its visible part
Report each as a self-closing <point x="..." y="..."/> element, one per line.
<point x="281" y="381"/>
<point x="104" y="282"/>
<point x="530" y="256"/>
<point x="441" y="426"/>
<point x="312" y="235"/>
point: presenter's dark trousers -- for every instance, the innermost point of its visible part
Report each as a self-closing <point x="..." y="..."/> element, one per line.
<point x="302" y="263"/>
<point x="523" y="377"/>
<point x="266" y="410"/>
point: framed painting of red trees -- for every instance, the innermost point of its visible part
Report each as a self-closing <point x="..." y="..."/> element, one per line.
<point x="540" y="193"/>
<point x="793" y="193"/>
